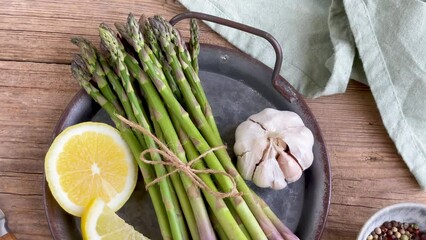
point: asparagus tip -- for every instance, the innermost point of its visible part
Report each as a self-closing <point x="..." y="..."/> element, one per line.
<point x="142" y="21"/>
<point x="133" y="30"/>
<point x="78" y="70"/>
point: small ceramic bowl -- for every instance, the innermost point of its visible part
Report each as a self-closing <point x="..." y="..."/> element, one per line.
<point x="402" y="212"/>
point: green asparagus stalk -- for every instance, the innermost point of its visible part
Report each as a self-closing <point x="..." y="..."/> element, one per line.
<point x="194" y="44"/>
<point x="237" y="218"/>
<point x="108" y="39"/>
<point x="283" y="229"/>
<point x="83" y="77"/>
<point x="216" y="225"/>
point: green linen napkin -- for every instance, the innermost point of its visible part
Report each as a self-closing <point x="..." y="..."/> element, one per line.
<point x="320" y="40"/>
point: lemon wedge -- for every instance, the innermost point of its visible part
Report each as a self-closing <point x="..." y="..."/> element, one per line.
<point x="90" y="160"/>
<point x="100" y="222"/>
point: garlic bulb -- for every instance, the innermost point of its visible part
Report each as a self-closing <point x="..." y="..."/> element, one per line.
<point x="273" y="148"/>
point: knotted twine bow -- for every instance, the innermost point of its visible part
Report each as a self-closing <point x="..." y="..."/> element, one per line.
<point x="170" y="159"/>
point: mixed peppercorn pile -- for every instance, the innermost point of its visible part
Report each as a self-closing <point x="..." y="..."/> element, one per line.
<point x="397" y="230"/>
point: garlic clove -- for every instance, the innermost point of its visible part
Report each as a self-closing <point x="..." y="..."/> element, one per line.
<point x="290" y="168"/>
<point x="246" y="164"/>
<point x="300" y="141"/>
<point x="268" y="172"/>
<point x="249" y="137"/>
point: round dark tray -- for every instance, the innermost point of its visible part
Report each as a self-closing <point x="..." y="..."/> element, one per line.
<point x="237" y="86"/>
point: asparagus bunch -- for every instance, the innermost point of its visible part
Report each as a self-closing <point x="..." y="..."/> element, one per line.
<point x="149" y="76"/>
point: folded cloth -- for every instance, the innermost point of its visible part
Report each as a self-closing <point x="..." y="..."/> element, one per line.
<point x="320" y="40"/>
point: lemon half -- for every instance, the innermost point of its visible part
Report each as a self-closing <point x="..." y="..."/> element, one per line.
<point x="90" y="160"/>
<point x="100" y="222"/>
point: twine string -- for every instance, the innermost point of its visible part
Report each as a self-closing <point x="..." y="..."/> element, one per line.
<point x="170" y="159"/>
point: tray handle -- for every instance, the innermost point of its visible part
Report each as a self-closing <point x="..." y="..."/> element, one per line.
<point x="288" y="93"/>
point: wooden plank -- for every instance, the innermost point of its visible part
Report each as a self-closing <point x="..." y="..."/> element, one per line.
<point x="40" y="31"/>
<point x="32" y="97"/>
<point x="367" y="172"/>
<point x="25" y="215"/>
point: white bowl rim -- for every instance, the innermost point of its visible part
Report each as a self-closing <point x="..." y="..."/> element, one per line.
<point x="385" y="209"/>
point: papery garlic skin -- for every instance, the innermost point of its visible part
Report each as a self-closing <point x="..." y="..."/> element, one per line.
<point x="246" y="157"/>
<point x="273" y="148"/>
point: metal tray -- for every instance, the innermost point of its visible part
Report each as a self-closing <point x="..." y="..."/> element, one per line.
<point x="237" y="86"/>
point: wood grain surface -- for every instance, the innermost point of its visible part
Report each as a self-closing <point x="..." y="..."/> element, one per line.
<point x="36" y="85"/>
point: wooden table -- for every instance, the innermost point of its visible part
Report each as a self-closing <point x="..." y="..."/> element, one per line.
<point x="36" y="85"/>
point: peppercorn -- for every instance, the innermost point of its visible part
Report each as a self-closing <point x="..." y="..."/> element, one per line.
<point x="398" y="235"/>
<point x="387" y="224"/>
<point x="378" y="231"/>
<point x="370" y="237"/>
<point x="405" y="237"/>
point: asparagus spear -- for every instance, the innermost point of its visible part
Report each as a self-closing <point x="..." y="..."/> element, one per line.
<point x="194" y="44"/>
<point x="237" y="218"/>
<point x="216" y="225"/>
<point x="83" y="77"/>
<point x="118" y="57"/>
<point x="284" y="230"/>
